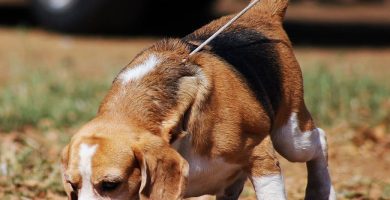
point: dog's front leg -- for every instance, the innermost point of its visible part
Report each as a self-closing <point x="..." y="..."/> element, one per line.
<point x="269" y="187"/>
<point x="265" y="173"/>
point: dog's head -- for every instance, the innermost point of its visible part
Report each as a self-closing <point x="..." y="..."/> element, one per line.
<point x="106" y="161"/>
<point x="125" y="152"/>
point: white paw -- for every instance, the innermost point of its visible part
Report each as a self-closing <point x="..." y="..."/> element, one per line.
<point x="332" y="195"/>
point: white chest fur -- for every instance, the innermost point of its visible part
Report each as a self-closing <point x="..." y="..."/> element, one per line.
<point x="206" y="175"/>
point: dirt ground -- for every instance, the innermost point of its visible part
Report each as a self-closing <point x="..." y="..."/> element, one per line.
<point x="359" y="169"/>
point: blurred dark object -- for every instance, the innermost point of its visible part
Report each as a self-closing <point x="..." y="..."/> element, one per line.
<point x="87" y="15"/>
<point x="319" y="22"/>
<point x="110" y="15"/>
<point x="113" y="16"/>
<point x="13" y="2"/>
<point x="11" y="15"/>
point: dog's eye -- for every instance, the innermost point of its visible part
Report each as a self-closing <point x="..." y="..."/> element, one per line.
<point x="107" y="186"/>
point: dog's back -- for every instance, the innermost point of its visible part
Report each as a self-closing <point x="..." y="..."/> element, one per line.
<point x="250" y="47"/>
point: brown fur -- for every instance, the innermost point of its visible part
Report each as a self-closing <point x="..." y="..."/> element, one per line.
<point x="204" y="97"/>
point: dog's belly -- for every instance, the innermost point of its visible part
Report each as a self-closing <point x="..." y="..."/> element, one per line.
<point x="206" y="175"/>
<point x="210" y="176"/>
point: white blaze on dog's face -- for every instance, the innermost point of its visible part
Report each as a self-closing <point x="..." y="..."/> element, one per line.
<point x="86" y="154"/>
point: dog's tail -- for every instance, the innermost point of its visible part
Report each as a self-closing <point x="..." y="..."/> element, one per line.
<point x="273" y="9"/>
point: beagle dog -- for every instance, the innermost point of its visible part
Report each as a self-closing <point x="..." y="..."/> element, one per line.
<point x="173" y="127"/>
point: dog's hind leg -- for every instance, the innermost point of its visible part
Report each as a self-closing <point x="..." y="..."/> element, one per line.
<point x="299" y="140"/>
<point x="294" y="133"/>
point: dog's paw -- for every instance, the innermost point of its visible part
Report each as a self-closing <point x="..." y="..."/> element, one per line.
<point x="320" y="193"/>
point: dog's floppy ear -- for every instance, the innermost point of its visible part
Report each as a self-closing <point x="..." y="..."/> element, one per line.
<point x="164" y="173"/>
<point x="191" y="93"/>
<point x="64" y="165"/>
<point x="72" y="195"/>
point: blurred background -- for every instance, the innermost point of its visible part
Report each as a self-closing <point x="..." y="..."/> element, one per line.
<point x="58" y="58"/>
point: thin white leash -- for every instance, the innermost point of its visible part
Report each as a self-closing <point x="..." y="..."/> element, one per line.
<point x="200" y="47"/>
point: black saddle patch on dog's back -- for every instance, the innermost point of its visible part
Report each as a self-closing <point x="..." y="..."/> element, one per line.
<point x="254" y="57"/>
